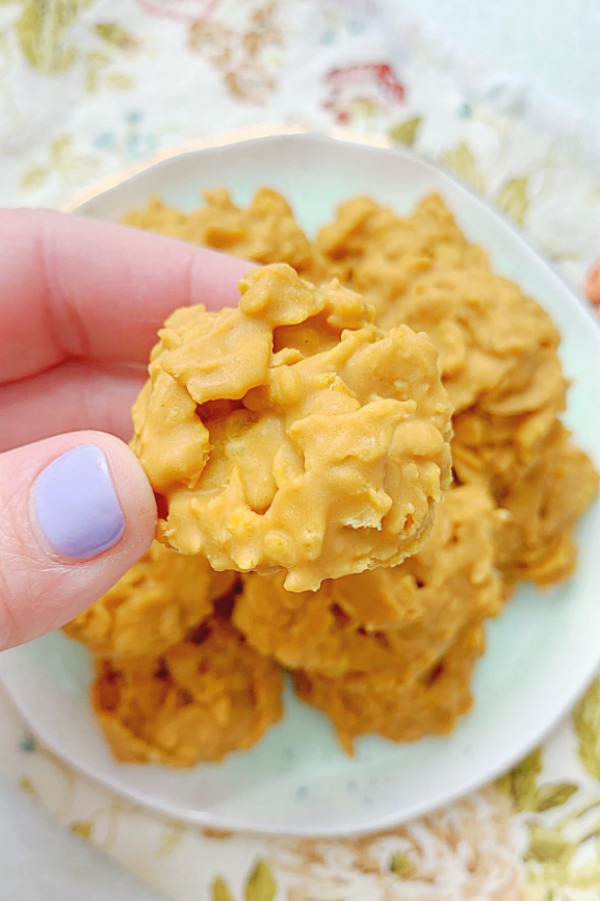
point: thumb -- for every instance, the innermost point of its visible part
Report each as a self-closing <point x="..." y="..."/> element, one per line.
<point x="76" y="511"/>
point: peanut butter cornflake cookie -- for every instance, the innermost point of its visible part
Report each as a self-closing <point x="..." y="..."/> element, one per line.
<point x="155" y="604"/>
<point x="292" y="434"/>
<point x="204" y="697"/>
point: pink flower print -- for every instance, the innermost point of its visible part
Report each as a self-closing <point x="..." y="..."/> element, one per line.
<point x="182" y="10"/>
<point x="592" y="285"/>
<point x="363" y="91"/>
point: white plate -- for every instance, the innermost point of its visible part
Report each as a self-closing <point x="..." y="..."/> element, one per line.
<point x="542" y="651"/>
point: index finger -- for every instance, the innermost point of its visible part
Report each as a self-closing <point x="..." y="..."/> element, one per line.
<point x="72" y="287"/>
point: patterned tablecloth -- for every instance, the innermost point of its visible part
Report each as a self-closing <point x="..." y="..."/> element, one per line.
<point x="87" y="86"/>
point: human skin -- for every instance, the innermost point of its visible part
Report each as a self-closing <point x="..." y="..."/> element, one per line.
<point x="80" y="305"/>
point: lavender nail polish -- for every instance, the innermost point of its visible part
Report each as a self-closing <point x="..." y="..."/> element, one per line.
<point x="76" y="504"/>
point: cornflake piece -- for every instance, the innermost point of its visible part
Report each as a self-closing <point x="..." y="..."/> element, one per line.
<point x="291" y="434"/>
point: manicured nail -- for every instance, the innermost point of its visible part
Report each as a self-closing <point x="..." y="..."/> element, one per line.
<point x="76" y="504"/>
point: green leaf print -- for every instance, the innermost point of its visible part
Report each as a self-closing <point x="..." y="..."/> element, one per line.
<point x="406" y="132"/>
<point x="26" y="785"/>
<point x="118" y="81"/>
<point x="260" y="885"/>
<point x="401" y="864"/>
<point x="61" y="149"/>
<point x="34" y="178"/>
<point x="547" y="845"/>
<point x="553" y="795"/>
<point x="513" y="200"/>
<point x="114" y="34"/>
<point x="220" y="890"/>
<point x="47" y="36"/>
<point x="521" y="782"/>
<point x="42" y="29"/>
<point x="95" y="63"/>
<point x="82" y="828"/>
<point x="461" y="161"/>
<point x="171" y="838"/>
<point x="586" y="720"/>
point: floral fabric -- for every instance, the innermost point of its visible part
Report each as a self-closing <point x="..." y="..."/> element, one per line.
<point x="88" y="86"/>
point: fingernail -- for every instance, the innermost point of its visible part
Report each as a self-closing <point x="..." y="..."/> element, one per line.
<point x="76" y="504"/>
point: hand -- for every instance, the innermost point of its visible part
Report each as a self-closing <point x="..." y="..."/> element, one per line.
<point x="80" y="305"/>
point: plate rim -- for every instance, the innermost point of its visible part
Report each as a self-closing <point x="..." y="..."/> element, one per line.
<point x="214" y="141"/>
